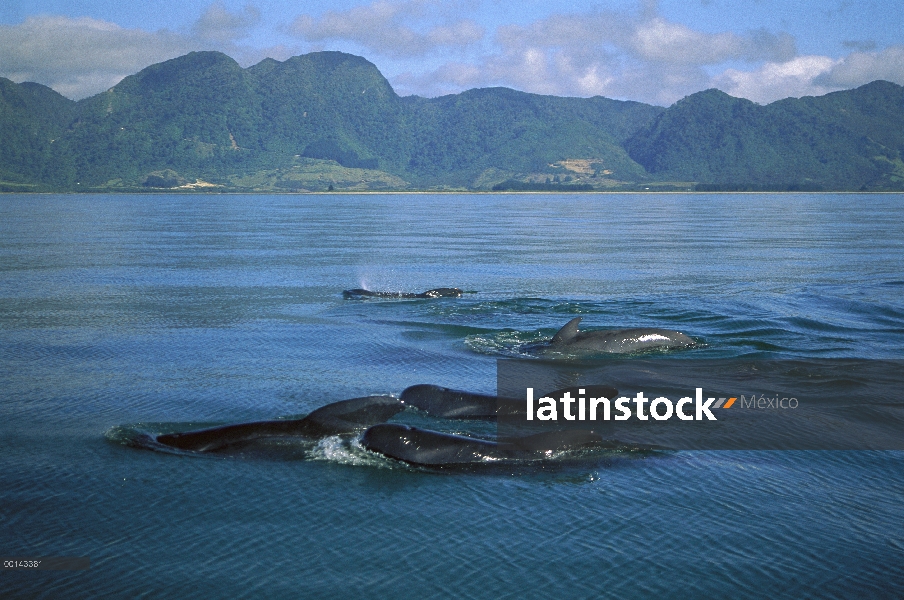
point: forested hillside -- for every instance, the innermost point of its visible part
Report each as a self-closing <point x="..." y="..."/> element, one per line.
<point x="844" y="140"/>
<point x="330" y="119"/>
<point x="32" y="117"/>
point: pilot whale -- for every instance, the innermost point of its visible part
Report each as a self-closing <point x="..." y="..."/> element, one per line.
<point x="430" y="448"/>
<point x="443" y="292"/>
<point x="447" y="403"/>
<point x="569" y="340"/>
<point x="345" y="416"/>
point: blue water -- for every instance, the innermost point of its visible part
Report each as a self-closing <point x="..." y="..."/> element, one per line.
<point x="150" y="313"/>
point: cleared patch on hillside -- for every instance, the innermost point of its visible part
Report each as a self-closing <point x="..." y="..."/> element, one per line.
<point x="582" y="166"/>
<point x="315" y="175"/>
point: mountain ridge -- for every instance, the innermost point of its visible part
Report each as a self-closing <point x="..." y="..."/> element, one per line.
<point x="843" y="140"/>
<point x="332" y="119"/>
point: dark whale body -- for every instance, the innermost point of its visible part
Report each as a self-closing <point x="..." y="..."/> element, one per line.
<point x="345" y="416"/>
<point x="446" y="403"/>
<point x="569" y="340"/>
<point x="457" y="404"/>
<point x="444" y="292"/>
<point x="429" y="448"/>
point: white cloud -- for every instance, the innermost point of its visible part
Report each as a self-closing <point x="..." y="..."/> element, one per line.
<point x="813" y="75"/>
<point x="646" y="57"/>
<point x="386" y="28"/>
<point x="79" y="57"/>
<point x="637" y="56"/>
<point x="427" y="48"/>
<point x="859" y="68"/>
<point x="774" y="81"/>
<point x="661" y="41"/>
<point x="217" y="24"/>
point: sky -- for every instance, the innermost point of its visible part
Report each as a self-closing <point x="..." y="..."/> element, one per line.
<point x="645" y="50"/>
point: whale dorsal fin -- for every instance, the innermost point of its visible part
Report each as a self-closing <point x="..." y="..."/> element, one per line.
<point x="566" y="333"/>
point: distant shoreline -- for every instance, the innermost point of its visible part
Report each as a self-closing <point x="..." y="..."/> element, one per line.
<point x="441" y="192"/>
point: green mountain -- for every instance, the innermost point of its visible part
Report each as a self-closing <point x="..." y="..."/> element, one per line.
<point x="843" y="140"/>
<point x="334" y="106"/>
<point x="186" y="114"/>
<point x="32" y="118"/>
<point x="310" y="121"/>
<point x="331" y="119"/>
<point x="508" y="130"/>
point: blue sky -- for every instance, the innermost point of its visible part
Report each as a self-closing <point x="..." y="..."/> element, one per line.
<point x="645" y="50"/>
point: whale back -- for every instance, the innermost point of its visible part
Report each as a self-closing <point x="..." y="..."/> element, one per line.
<point x="217" y="438"/>
<point x="361" y="293"/>
<point x="554" y="441"/>
<point x="567" y="333"/>
<point x="345" y="416"/>
<point x="426" y="447"/>
<point x="348" y="416"/>
<point x="449" y="404"/>
<point x="430" y="448"/>
<point x="629" y="340"/>
<point x="443" y="292"/>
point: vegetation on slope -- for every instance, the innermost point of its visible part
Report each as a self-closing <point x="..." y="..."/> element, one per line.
<point x="330" y="118"/>
<point x="844" y="140"/>
<point x="32" y="118"/>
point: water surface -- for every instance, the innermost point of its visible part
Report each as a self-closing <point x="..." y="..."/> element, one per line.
<point x="123" y="313"/>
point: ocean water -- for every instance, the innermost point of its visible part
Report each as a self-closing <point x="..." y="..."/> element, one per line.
<point x="129" y="315"/>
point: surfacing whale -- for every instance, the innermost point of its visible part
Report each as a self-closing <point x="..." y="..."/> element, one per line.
<point x="569" y="340"/>
<point x="345" y="416"/>
<point x="447" y="403"/>
<point x="430" y="448"/>
<point x="443" y="292"/>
